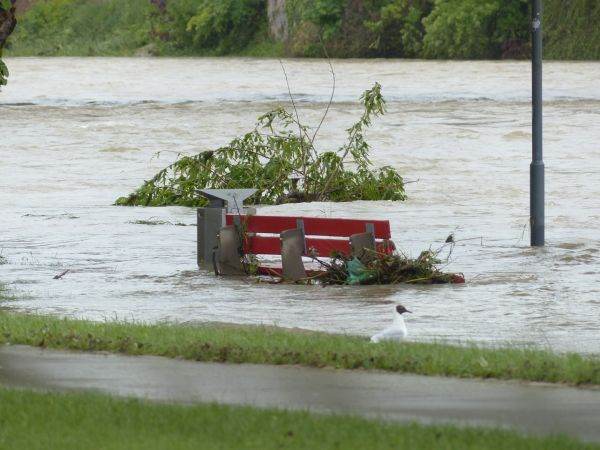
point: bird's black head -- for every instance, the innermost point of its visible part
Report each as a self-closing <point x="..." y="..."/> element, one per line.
<point x="401" y="310"/>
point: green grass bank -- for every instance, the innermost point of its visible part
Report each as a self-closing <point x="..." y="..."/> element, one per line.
<point x="34" y="420"/>
<point x="270" y="345"/>
<point x="437" y="29"/>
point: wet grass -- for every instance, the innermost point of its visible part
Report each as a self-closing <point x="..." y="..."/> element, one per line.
<point x="269" y="345"/>
<point x="34" y="420"/>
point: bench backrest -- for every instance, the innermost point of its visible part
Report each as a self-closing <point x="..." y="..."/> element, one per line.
<point x="323" y="235"/>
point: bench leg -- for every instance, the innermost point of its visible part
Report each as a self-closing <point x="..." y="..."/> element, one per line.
<point x="360" y="243"/>
<point x="210" y="221"/>
<point x="292" y="249"/>
<point x="228" y="257"/>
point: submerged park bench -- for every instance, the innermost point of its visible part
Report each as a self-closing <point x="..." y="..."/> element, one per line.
<point x="226" y="235"/>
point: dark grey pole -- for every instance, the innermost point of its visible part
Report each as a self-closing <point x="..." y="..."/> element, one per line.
<point x="537" y="163"/>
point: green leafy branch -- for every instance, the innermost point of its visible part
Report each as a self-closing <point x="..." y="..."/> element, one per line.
<point x="279" y="158"/>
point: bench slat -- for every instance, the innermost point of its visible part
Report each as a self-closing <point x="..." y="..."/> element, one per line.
<point x="315" y="226"/>
<point x="269" y="245"/>
<point x="264" y="245"/>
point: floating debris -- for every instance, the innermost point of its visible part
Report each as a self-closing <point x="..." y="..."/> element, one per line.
<point x="381" y="268"/>
<point x="152" y="221"/>
<point x="62" y="274"/>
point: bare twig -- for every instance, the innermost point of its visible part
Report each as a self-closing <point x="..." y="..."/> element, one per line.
<point x="287" y="82"/>
<point x="330" y="98"/>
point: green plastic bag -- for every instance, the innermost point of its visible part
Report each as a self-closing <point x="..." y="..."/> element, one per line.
<point x="358" y="273"/>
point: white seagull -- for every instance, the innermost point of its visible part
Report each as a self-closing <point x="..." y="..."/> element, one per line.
<point x="397" y="332"/>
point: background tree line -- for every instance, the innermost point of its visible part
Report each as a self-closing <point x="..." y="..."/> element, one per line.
<point x="445" y="29"/>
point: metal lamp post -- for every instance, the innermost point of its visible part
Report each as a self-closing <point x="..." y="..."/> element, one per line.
<point x="537" y="213"/>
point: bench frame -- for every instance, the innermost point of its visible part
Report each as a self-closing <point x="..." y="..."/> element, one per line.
<point x="295" y="238"/>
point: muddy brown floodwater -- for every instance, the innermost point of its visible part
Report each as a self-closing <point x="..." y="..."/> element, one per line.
<point x="79" y="132"/>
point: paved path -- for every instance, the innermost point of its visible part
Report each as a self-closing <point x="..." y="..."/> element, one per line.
<point x="538" y="409"/>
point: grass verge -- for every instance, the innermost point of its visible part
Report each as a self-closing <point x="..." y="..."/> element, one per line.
<point x="33" y="420"/>
<point x="269" y="345"/>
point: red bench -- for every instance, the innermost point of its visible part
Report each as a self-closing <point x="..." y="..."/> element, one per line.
<point x="295" y="237"/>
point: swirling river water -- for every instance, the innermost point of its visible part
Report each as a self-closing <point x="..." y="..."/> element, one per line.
<point x="79" y="132"/>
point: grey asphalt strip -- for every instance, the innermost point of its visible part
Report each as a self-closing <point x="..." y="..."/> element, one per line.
<point x="535" y="409"/>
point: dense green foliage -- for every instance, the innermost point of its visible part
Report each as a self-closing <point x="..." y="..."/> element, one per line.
<point x="572" y="29"/>
<point x="454" y="29"/>
<point x="399" y="29"/>
<point x="114" y="27"/>
<point x="74" y="27"/>
<point x="346" y="28"/>
<point x="460" y="29"/>
<point x="226" y="24"/>
<point x="90" y="421"/>
<point x="214" y="27"/>
<point x="280" y="159"/>
<point x="269" y="345"/>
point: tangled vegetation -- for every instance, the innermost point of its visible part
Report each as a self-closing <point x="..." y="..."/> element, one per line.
<point x="445" y="29"/>
<point x="381" y="268"/>
<point x="280" y="159"/>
